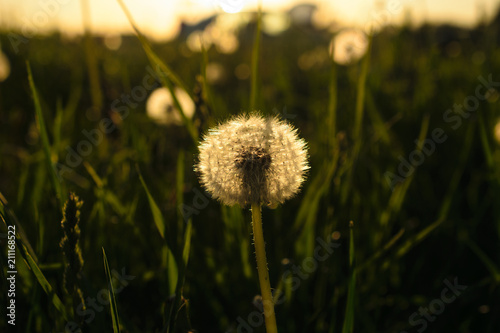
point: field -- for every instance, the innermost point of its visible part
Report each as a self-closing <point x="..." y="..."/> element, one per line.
<point x="396" y="228"/>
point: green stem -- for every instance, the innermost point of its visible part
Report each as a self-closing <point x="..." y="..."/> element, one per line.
<point x="260" y="253"/>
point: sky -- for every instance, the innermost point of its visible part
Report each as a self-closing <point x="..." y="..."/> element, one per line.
<point x="161" y="19"/>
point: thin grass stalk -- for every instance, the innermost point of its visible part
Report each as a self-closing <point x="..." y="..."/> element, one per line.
<point x="90" y="56"/>
<point x="332" y="102"/>
<point x="348" y="326"/>
<point x="358" y="120"/>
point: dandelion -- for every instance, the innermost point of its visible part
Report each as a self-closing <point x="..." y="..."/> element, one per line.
<point x="349" y="46"/>
<point x="160" y="106"/>
<point x="254" y="160"/>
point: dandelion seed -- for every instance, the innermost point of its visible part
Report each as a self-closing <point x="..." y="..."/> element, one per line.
<point x="252" y="159"/>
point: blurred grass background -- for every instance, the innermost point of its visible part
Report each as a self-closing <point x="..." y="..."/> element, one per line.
<point x="442" y="222"/>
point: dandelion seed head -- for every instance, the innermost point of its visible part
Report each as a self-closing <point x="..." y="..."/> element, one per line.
<point x="252" y="159"/>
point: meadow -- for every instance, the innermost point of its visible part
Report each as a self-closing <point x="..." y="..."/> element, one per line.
<point x="396" y="229"/>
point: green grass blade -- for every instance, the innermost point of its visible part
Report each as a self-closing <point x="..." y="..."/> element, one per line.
<point x="398" y="195"/>
<point x="358" y="122"/>
<point x="207" y="92"/>
<point x="95" y="177"/>
<point x="169" y="257"/>
<point x="410" y="243"/>
<point x="165" y="73"/>
<point x="176" y="306"/>
<point x="180" y="190"/>
<point x="307" y="214"/>
<point x="56" y="301"/>
<point x="445" y="206"/>
<point x="348" y="326"/>
<point x="157" y="215"/>
<point x="187" y="243"/>
<point x="24" y="249"/>
<point x="9" y="218"/>
<point x="172" y="270"/>
<point x="381" y="252"/>
<point x="56" y="182"/>
<point x="487" y="262"/>
<point x="463" y="159"/>
<point x="236" y="236"/>
<point x="332" y="101"/>
<point x="361" y="92"/>
<point x="318" y="186"/>
<point x="379" y="126"/>
<point x="111" y="293"/>
<point x="58" y="125"/>
<point x="91" y="60"/>
<point x="105" y="194"/>
<point x="483" y="134"/>
<point x="147" y="47"/>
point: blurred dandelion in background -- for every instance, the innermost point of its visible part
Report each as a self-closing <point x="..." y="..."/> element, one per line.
<point x="160" y="106"/>
<point x="275" y="23"/>
<point x="4" y="67"/>
<point x="349" y="46"/>
<point x="497" y="131"/>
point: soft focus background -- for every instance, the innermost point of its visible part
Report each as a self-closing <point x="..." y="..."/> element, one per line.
<point x="365" y="82"/>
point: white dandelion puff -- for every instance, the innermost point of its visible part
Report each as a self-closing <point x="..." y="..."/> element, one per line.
<point x="252" y="159"/>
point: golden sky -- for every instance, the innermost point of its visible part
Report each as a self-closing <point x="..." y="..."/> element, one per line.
<point x="161" y="18"/>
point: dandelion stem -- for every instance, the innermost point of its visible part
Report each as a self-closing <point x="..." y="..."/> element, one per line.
<point x="260" y="253"/>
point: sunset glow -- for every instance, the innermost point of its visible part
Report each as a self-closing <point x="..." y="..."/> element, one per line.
<point x="161" y="19"/>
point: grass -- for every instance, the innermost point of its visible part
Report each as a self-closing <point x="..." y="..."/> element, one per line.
<point x="194" y="268"/>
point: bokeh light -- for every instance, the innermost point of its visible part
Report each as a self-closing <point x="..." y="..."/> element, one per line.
<point x="4" y="67"/>
<point x="215" y="73"/>
<point x="242" y="71"/>
<point x="275" y="23"/>
<point x="497" y="131"/>
<point x="113" y="41"/>
<point x="232" y="6"/>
